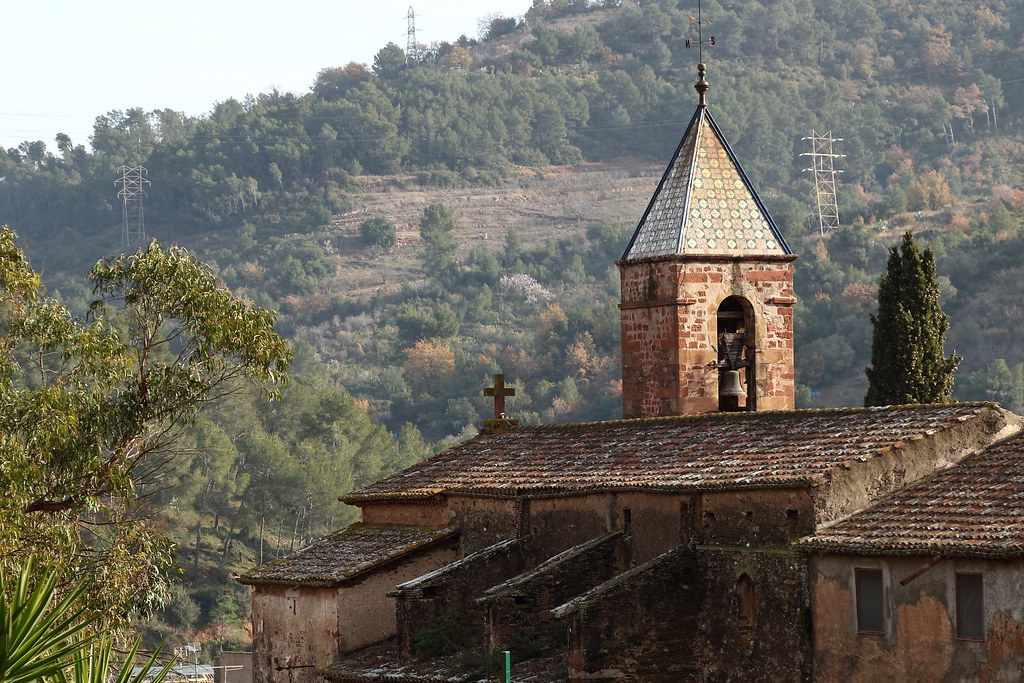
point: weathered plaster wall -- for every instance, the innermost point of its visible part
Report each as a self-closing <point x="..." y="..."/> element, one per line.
<point x="365" y="613"/>
<point x="920" y="641"/>
<point x="293" y="627"/>
<point x="484" y="520"/>
<point x="296" y="626"/>
<point x="857" y="487"/>
<point x="669" y="324"/>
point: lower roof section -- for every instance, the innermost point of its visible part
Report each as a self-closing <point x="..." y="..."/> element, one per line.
<point x="973" y="509"/>
<point x="338" y="557"/>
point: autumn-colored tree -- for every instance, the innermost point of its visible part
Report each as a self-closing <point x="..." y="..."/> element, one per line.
<point x="428" y="362"/>
<point x="459" y="58"/>
<point x="929" y="192"/>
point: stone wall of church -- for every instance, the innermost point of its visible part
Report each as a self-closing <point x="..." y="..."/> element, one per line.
<point x="432" y="512"/>
<point x="919" y="640"/>
<point x="446" y="599"/>
<point x="641" y="626"/>
<point x="761" y="516"/>
<point x="755" y="621"/>
<point x="519" y="610"/>
<point x="669" y="323"/>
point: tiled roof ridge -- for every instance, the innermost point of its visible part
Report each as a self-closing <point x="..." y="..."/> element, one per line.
<point x="463" y="469"/>
<point x="758" y="414"/>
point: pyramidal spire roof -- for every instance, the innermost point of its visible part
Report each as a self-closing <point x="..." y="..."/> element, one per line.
<point x="704" y="203"/>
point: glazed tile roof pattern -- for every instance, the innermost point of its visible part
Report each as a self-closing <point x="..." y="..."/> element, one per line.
<point x="710" y="451"/>
<point x="344" y="554"/>
<point x="973" y="509"/>
<point x="704" y="203"/>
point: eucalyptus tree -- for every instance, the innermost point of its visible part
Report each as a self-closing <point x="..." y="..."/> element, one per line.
<point x="91" y="408"/>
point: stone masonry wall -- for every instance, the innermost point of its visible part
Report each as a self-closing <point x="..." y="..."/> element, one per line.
<point x="669" y="331"/>
<point x="622" y="632"/>
<point x="450" y="594"/>
<point x="755" y="622"/>
<point x="519" y="610"/>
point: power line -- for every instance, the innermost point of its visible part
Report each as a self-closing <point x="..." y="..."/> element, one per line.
<point x="133" y="183"/>
<point x="822" y="157"/>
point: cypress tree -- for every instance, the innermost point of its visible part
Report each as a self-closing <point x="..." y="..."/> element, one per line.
<point x="908" y="364"/>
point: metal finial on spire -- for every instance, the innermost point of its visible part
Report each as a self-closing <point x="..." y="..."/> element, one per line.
<point x="701" y="85"/>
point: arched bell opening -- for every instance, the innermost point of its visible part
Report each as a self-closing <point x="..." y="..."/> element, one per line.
<point x="737" y="386"/>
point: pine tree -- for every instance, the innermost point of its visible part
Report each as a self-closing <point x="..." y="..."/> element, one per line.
<point x="908" y="364"/>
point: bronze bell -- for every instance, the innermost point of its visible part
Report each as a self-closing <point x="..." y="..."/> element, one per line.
<point x="731" y="385"/>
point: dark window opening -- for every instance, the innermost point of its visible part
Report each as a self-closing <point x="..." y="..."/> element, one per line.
<point x="792" y="524"/>
<point x="685" y="523"/>
<point x="970" y="607"/>
<point x="745" y="600"/>
<point x="870" y="601"/>
<point x="627" y="519"/>
<point x="709" y="519"/>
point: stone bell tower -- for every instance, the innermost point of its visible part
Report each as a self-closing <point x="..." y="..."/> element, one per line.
<point x="707" y="289"/>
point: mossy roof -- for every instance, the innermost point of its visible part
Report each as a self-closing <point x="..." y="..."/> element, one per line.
<point x="345" y="554"/>
<point x="692" y="452"/>
<point x="972" y="509"/>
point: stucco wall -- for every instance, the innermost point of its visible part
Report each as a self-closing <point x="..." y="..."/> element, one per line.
<point x="920" y="641"/>
<point x="365" y="614"/>
<point x="293" y="627"/>
<point x="298" y="626"/>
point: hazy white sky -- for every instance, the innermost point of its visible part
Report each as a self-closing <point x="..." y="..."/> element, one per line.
<point x="65" y="62"/>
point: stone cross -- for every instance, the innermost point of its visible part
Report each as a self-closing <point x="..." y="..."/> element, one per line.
<point x="499" y="391"/>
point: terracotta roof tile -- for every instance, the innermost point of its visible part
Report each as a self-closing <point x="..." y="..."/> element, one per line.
<point x="711" y="451"/>
<point x="344" y="554"/>
<point x="973" y="509"/>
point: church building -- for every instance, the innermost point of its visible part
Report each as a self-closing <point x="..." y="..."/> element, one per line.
<point x="714" y="533"/>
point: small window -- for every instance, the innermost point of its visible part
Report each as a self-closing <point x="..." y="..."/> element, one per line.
<point x="745" y="599"/>
<point x="870" y="603"/>
<point x="970" y="607"/>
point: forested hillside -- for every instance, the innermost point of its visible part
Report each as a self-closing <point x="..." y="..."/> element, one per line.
<point x="371" y="212"/>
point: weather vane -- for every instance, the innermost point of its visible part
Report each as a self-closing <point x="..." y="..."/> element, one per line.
<point x="699" y="20"/>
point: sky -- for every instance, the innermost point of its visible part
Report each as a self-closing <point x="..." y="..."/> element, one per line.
<point x="65" y="62"/>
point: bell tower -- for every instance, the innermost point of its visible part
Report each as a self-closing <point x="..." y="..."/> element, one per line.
<point x="706" y="289"/>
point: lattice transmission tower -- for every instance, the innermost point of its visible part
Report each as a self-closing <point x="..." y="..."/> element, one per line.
<point x="411" y="49"/>
<point x="822" y="156"/>
<point x="133" y="184"/>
